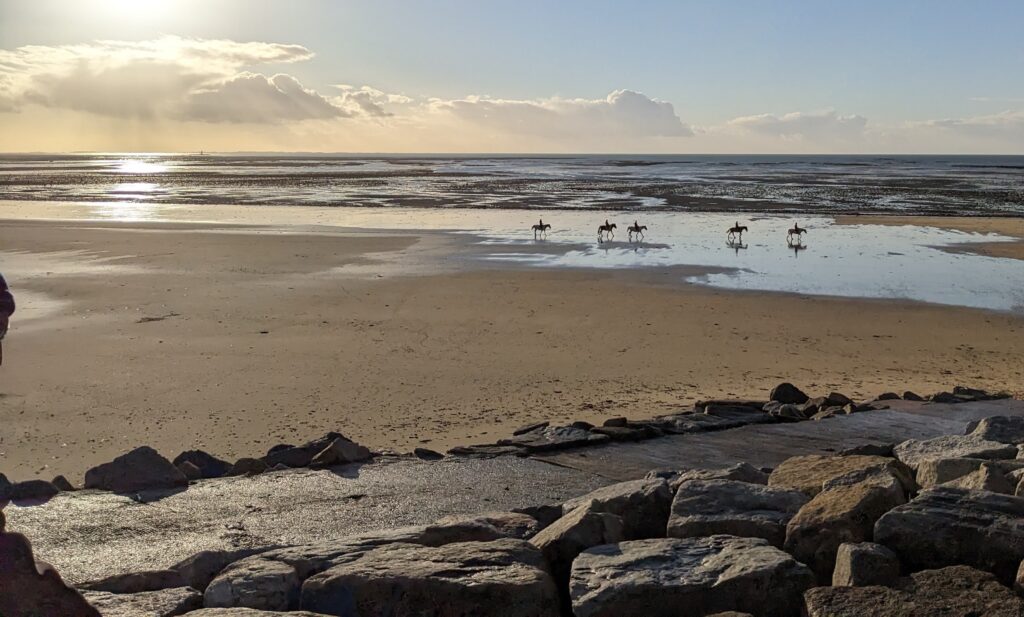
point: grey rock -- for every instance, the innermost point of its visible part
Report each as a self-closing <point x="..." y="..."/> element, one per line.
<point x="247" y="467"/>
<point x="687" y="578"/>
<point x="301" y="456"/>
<point x="880" y="476"/>
<point x="732" y="402"/>
<point x="163" y="603"/>
<point x="488" y="451"/>
<point x="710" y="507"/>
<point x="810" y="473"/>
<point x="533" y="426"/>
<point x="988" y="477"/>
<point x="888" y="396"/>
<point x="142" y="468"/>
<point x="616" y="422"/>
<point x="209" y="466"/>
<point x="914" y="452"/>
<point x="339" y="452"/>
<point x="957" y="591"/>
<point x="859" y="564"/>
<point x="870" y="449"/>
<point x="28" y="590"/>
<point x="1018" y="582"/>
<point x="506" y="578"/>
<point x="198" y="570"/>
<point x="62" y="484"/>
<point x="788" y="393"/>
<point x="544" y="514"/>
<point x="190" y="470"/>
<point x="910" y="396"/>
<point x="427" y="454"/>
<point x="509" y="524"/>
<point x="254" y="583"/>
<point x="642" y="504"/>
<point x="32" y="489"/>
<point x="835" y="399"/>
<point x="740" y="472"/>
<point x="551" y="438"/>
<point x="934" y="472"/>
<point x="837" y="515"/>
<point x="946" y="526"/>
<point x="566" y="538"/>
<point x="1004" y="429"/>
<point x="135" y="582"/>
<point x="624" y="433"/>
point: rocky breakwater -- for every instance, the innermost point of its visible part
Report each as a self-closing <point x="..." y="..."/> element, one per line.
<point x="837" y="535"/>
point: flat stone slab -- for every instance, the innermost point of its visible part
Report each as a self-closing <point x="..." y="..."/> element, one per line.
<point x="88" y="535"/>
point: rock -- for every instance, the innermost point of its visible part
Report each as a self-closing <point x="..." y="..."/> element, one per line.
<point x="788" y="393"/>
<point x="879" y="476"/>
<point x="198" y="570"/>
<point x="710" y="507"/>
<point x="302" y="456"/>
<point x="255" y="583"/>
<point x="957" y="591"/>
<point x="62" y="484"/>
<point x="616" y="422"/>
<point x="837" y="515"/>
<point x="509" y="524"/>
<point x="977" y="394"/>
<point x="740" y="472"/>
<point x="142" y="468"/>
<point x="729" y="416"/>
<point x="247" y="467"/>
<point x="581" y="424"/>
<point x="1004" y="429"/>
<point x="787" y="411"/>
<point x="864" y="563"/>
<point x="825" y="414"/>
<point x="987" y="477"/>
<point x="528" y="428"/>
<point x="549" y="438"/>
<point x="914" y="452"/>
<point x="339" y="452"/>
<point x="624" y="433"/>
<point x="931" y="473"/>
<point x="5" y="488"/>
<point x="280" y="467"/>
<point x="426" y="454"/>
<point x="1018" y="583"/>
<point x="209" y="466"/>
<point x="809" y="473"/>
<point x="752" y="404"/>
<point x="888" y="396"/>
<point x="566" y="538"/>
<point x="946" y="526"/>
<point x="643" y="506"/>
<point x="25" y="591"/>
<point x="506" y="578"/>
<point x="488" y="451"/>
<point x="870" y="449"/>
<point x="32" y="490"/>
<point x="162" y="603"/>
<point x="190" y="470"/>
<point x="249" y="612"/>
<point x="135" y="582"/>
<point x="835" y="399"/>
<point x="545" y="514"/>
<point x="731" y="614"/>
<point x="944" y="397"/>
<point x="687" y="578"/>
<point x="910" y="396"/>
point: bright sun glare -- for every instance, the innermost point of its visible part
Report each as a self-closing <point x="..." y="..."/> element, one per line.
<point x="135" y="9"/>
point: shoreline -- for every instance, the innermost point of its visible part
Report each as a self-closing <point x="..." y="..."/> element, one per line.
<point x="395" y="341"/>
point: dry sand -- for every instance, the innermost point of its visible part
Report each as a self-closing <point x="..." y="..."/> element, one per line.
<point x="235" y="339"/>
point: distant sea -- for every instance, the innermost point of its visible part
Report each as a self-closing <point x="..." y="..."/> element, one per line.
<point x="934" y="185"/>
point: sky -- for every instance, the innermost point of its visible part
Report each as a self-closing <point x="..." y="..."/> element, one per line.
<point x="519" y="76"/>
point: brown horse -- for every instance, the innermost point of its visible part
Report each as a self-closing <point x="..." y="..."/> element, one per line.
<point x="797" y="231"/>
<point x="638" y="229"/>
<point x="736" y="231"/>
<point x="541" y="228"/>
<point x="607" y="228"/>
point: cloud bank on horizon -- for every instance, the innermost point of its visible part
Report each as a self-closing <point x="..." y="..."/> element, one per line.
<point x="175" y="93"/>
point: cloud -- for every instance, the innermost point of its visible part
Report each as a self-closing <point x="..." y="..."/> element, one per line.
<point x="802" y="125"/>
<point x="166" y="77"/>
<point x="1005" y="124"/>
<point x="623" y="112"/>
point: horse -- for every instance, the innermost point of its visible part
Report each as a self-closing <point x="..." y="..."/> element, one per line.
<point x="638" y="229"/>
<point x="541" y="228"/>
<point x="736" y="230"/>
<point x="607" y="228"/>
<point x="796" y="231"/>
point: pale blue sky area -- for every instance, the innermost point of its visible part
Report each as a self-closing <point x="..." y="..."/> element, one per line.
<point x="891" y="62"/>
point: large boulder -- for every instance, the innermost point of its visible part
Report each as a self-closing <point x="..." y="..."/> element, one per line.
<point x="198" y="570"/>
<point x="689" y="577"/>
<point x="914" y="452"/>
<point x="5" y="488"/>
<point x="255" y="583"/>
<point x="27" y="490"/>
<point x="506" y="578"/>
<point x="1004" y="429"/>
<point x="710" y="507"/>
<point x="810" y="473"/>
<point x="142" y="468"/>
<point x="566" y="538"/>
<point x="788" y="393"/>
<point x="946" y="526"/>
<point x="302" y="456"/>
<point x="509" y="524"/>
<point x="838" y="515"/>
<point x="209" y="466"/>
<point x="934" y="472"/>
<point x="957" y="591"/>
<point x="162" y="603"/>
<point x="28" y="590"/>
<point x="859" y="564"/>
<point x="988" y="477"/>
<point x="741" y="472"/>
<point x="550" y="438"/>
<point x="339" y="452"/>
<point x="642" y="504"/>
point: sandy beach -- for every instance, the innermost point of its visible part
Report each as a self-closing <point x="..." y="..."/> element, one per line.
<point x="236" y="338"/>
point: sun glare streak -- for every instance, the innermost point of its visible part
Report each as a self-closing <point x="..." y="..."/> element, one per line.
<point x="134" y="166"/>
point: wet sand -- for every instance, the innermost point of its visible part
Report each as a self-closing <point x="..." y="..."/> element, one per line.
<point x="1005" y="226"/>
<point x="234" y="339"/>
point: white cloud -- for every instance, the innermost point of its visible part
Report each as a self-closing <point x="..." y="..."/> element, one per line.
<point x="1000" y="124"/>
<point x="803" y="125"/>
<point x="251" y="97"/>
<point x="623" y="112"/>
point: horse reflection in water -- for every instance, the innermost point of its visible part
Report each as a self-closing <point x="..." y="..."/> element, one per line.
<point x="796" y="244"/>
<point x="736" y="245"/>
